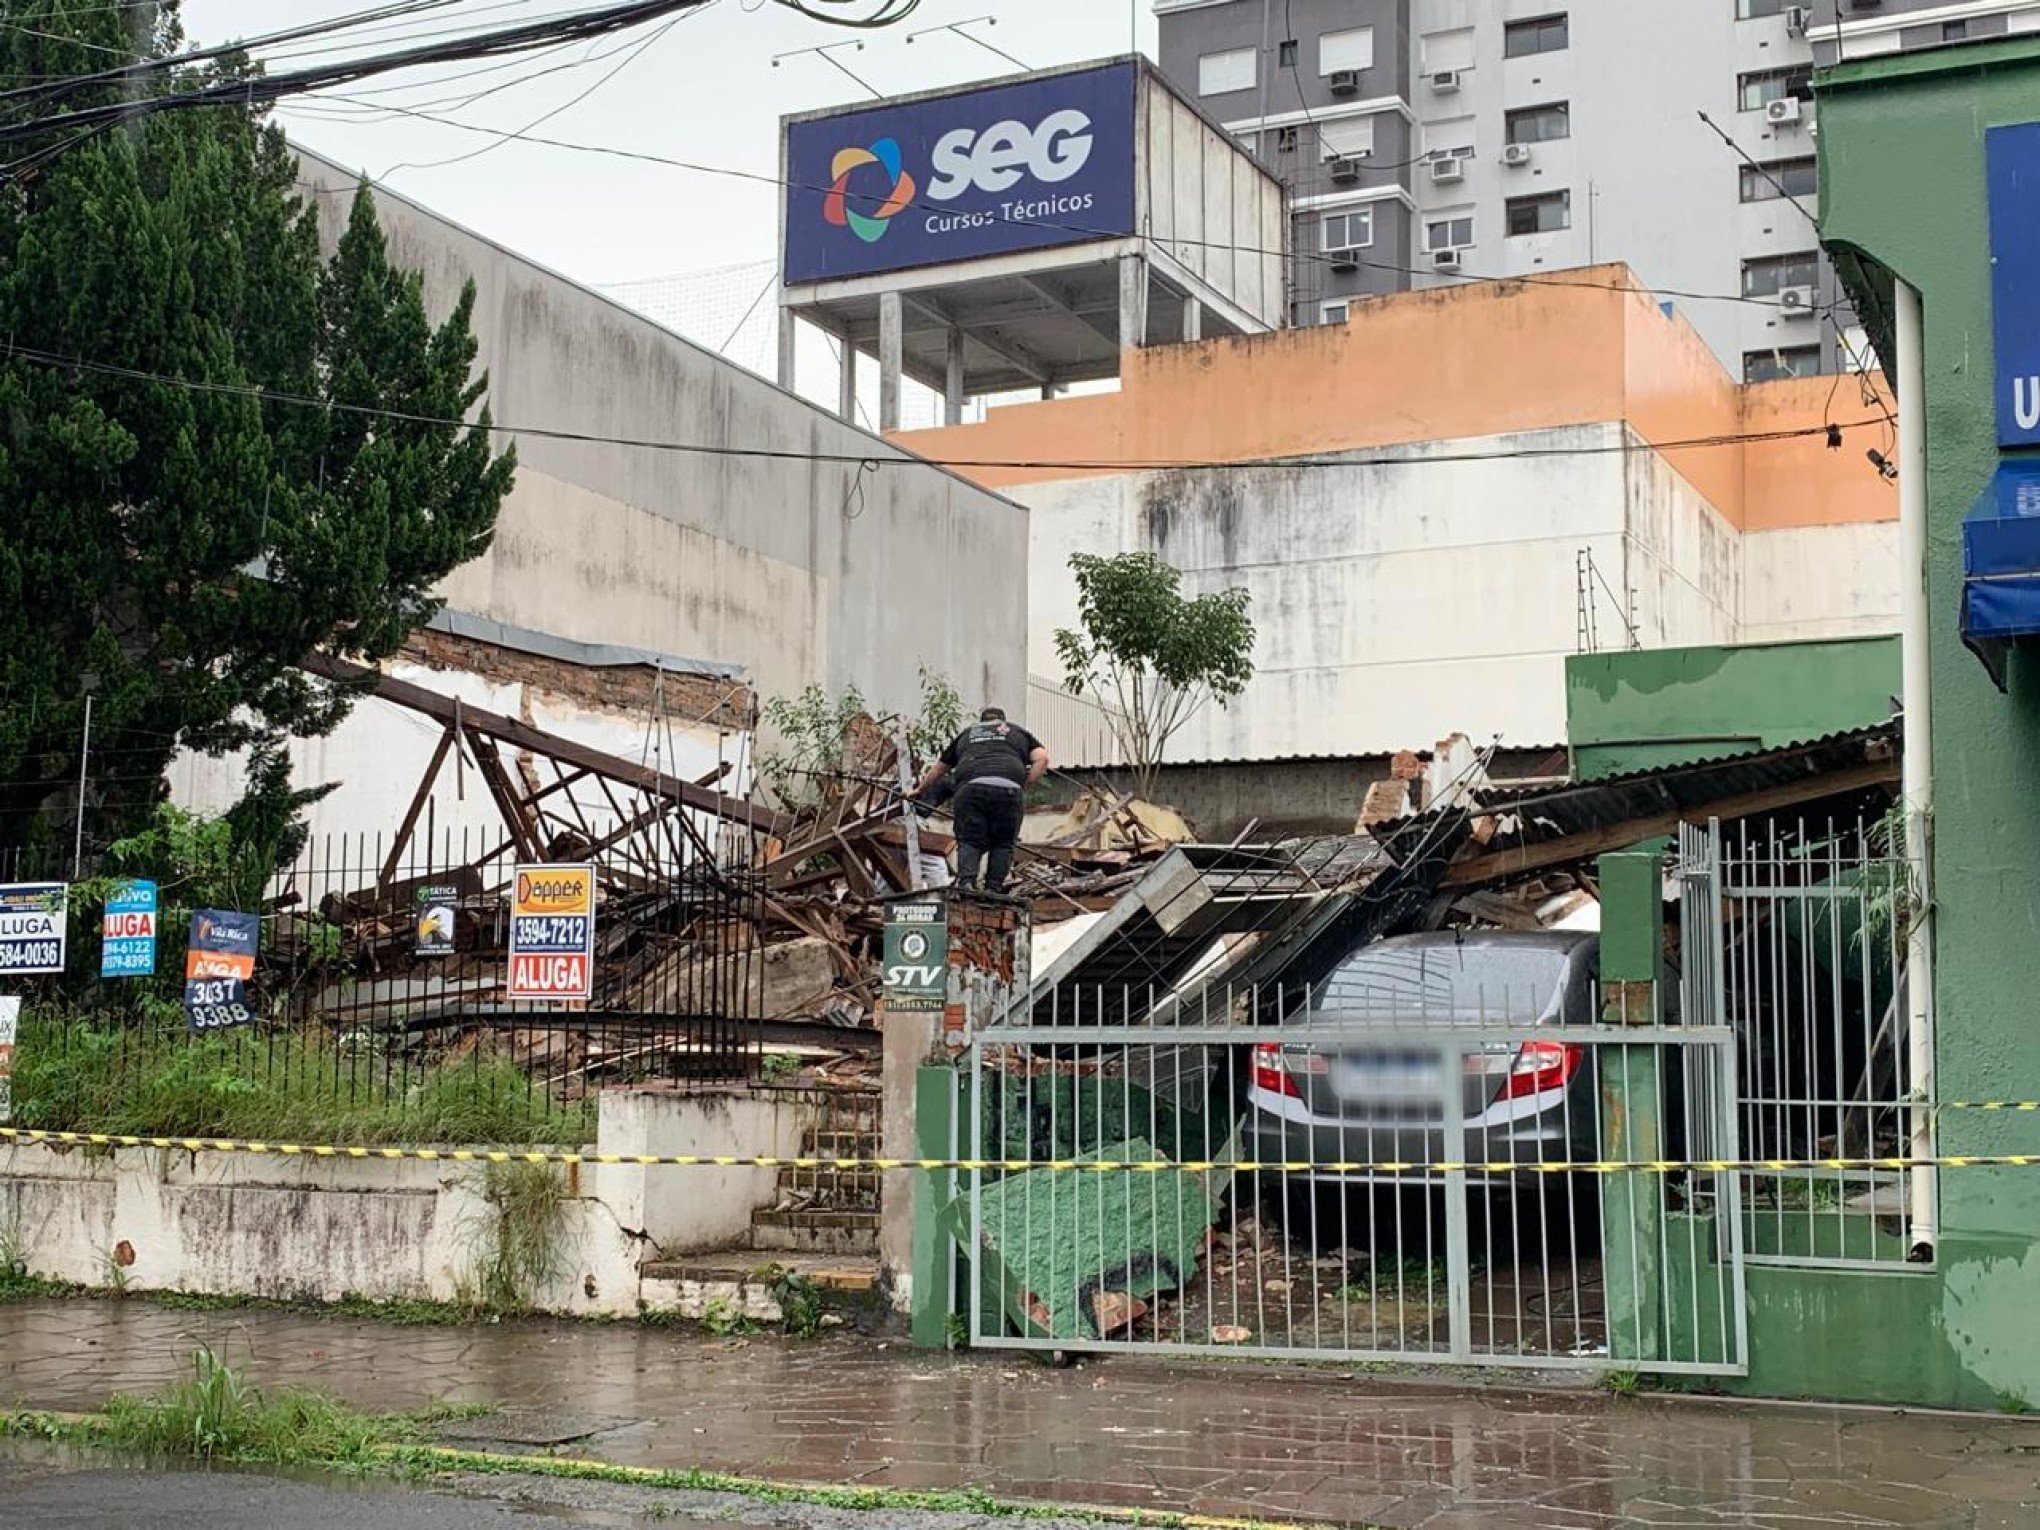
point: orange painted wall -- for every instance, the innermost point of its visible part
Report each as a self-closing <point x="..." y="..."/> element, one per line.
<point x="1480" y="360"/>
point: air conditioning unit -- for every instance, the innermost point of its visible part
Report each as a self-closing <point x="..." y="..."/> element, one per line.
<point x="1345" y="262"/>
<point x="1516" y="154"/>
<point x="1451" y="168"/>
<point x="1345" y="82"/>
<point x="1796" y="302"/>
<point x="1345" y="169"/>
<point x="1445" y="260"/>
<point x="1784" y="112"/>
<point x="1445" y="82"/>
<point x="1798" y="19"/>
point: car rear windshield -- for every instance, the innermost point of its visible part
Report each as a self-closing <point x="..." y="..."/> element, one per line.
<point x="1467" y="983"/>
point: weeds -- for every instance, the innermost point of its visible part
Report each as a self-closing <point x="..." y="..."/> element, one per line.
<point x="1623" y="1383"/>
<point x="956" y="1331"/>
<point x="215" y="1415"/>
<point x="521" y="1251"/>
<point x="778" y="1068"/>
<point x="80" y="1074"/>
<point x="725" y="1321"/>
<point x="1405" y="1280"/>
<point x="2013" y="1401"/>
<point x="801" y="1307"/>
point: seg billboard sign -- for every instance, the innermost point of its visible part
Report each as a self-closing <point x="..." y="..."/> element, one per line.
<point x="1026" y="166"/>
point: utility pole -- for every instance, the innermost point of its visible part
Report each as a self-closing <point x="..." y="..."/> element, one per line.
<point x="78" y="835"/>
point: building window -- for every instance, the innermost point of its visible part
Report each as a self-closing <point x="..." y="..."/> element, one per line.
<point x="1545" y="213"/>
<point x="1334" y="313"/>
<point x="1785" y="361"/>
<point x="1349" y="230"/>
<point x="1351" y="49"/>
<point x="1347" y="138"/>
<point x="1285" y="53"/>
<point x="1540" y="34"/>
<point x="1749" y="10"/>
<point x="1449" y="233"/>
<point x="1285" y="140"/>
<point x="1219" y="74"/>
<point x="1757" y="91"/>
<point x="1781" y="178"/>
<point x="1773" y="274"/>
<point x="1954" y="31"/>
<point x="1539" y="124"/>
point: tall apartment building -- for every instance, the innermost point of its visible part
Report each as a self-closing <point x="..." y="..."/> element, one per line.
<point x="1428" y="141"/>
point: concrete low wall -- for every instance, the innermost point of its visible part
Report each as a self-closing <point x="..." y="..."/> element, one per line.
<point x="323" y="1229"/>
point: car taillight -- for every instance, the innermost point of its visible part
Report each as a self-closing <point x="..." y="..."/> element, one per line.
<point x="1542" y="1065"/>
<point x="1271" y="1071"/>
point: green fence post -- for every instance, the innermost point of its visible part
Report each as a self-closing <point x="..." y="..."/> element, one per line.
<point x="934" y="1288"/>
<point x="1632" y="1129"/>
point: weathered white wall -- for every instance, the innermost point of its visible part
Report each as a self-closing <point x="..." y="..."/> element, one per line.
<point x="309" y="1229"/>
<point x="1820" y="581"/>
<point x="796" y="570"/>
<point x="1405" y="599"/>
<point x="1397" y="601"/>
<point x="379" y="754"/>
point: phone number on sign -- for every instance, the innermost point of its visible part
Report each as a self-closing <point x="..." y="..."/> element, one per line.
<point x="550" y="932"/>
<point x="30" y="953"/>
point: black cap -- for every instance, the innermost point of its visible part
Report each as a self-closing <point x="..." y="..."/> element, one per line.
<point x="992" y="714"/>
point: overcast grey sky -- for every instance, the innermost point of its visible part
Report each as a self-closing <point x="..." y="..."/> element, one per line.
<point x="705" y="90"/>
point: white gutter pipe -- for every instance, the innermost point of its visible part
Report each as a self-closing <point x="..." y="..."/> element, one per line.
<point x="1917" y="766"/>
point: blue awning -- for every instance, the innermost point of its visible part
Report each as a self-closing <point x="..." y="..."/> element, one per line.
<point x="2001" y="565"/>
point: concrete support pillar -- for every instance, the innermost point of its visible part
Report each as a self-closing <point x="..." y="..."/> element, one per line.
<point x="1193" y="320"/>
<point x="846" y="383"/>
<point x="787" y="336"/>
<point x="891" y="359"/>
<point x="952" y="382"/>
<point x="1133" y="301"/>
<point x="1632" y="1108"/>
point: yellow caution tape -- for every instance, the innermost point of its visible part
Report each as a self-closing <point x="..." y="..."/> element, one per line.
<point x="1988" y="1105"/>
<point x="1018" y="1165"/>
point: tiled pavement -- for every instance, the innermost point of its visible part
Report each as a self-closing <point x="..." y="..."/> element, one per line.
<point x="1222" y="1439"/>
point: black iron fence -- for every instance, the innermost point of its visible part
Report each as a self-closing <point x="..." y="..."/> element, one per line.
<point x="380" y="1001"/>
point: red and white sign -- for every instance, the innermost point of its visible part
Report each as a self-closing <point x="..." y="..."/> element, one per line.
<point x="552" y="934"/>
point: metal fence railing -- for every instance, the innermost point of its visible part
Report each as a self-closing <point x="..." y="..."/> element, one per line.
<point x="1444" y="1154"/>
<point x="1796" y="939"/>
<point x="364" y="1027"/>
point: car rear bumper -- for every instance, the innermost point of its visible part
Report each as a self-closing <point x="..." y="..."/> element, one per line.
<point x="1280" y="1131"/>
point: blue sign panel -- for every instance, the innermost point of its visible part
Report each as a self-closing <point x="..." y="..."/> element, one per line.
<point x="217" y="967"/>
<point x="2012" y="159"/>
<point x="1013" y="167"/>
<point x="127" y="946"/>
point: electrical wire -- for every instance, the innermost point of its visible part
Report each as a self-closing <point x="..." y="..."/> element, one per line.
<point x="269" y="88"/>
<point x="904" y="459"/>
<point x="1540" y="279"/>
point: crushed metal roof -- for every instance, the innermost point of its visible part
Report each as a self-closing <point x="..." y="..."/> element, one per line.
<point x="1642" y="804"/>
<point x="547" y="645"/>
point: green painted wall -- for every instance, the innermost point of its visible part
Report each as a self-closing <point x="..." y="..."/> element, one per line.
<point x="1668" y="706"/>
<point x="1902" y="186"/>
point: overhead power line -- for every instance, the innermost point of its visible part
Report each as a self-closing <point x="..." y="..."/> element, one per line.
<point x="906" y="458"/>
<point x="760" y="177"/>
<point x="266" y="89"/>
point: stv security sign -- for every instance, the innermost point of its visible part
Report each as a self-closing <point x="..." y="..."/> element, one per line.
<point x="915" y="976"/>
<point x="552" y="933"/>
<point x="1026" y="166"/>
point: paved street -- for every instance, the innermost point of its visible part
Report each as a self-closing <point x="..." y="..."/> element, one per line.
<point x="1233" y="1440"/>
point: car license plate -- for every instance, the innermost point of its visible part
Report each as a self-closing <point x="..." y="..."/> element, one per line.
<point x="1393" y="1077"/>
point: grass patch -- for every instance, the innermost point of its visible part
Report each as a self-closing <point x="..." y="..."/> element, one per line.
<point x="519" y="1250"/>
<point x="1623" y="1383"/>
<point x="79" y="1075"/>
<point x="1414" y="1280"/>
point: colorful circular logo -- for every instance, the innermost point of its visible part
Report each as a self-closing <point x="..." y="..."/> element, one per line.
<point x="836" y="209"/>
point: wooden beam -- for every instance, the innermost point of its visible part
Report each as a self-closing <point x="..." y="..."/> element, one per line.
<point x="523" y="832"/>
<point x="403" y="840"/>
<point x="1578" y="847"/>
<point x="521" y="735"/>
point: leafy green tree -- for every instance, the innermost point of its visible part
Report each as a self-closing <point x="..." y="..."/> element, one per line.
<point x="812" y="732"/>
<point x="176" y="533"/>
<point x="1148" y="656"/>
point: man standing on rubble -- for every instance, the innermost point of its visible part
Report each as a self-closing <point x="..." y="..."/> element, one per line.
<point x="993" y="762"/>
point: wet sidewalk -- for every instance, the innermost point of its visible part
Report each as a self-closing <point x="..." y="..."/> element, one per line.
<point x="1213" y="1439"/>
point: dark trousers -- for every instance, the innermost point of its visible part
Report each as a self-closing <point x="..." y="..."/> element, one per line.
<point x="987" y="828"/>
